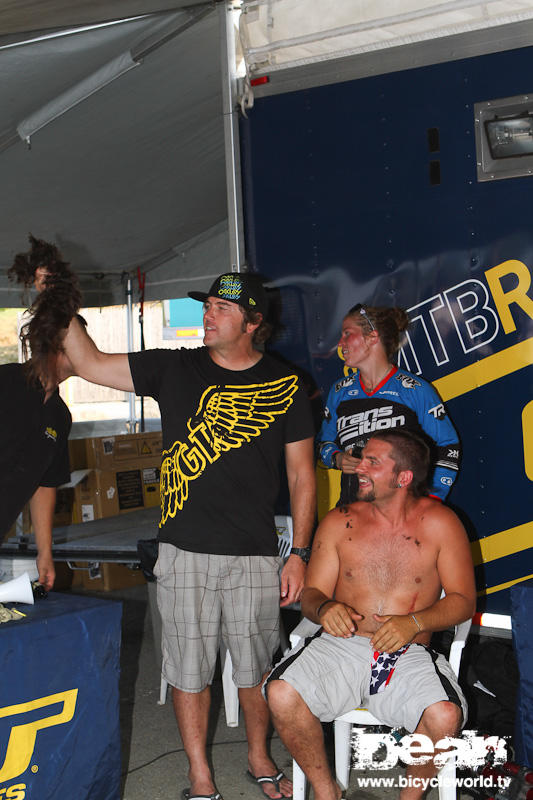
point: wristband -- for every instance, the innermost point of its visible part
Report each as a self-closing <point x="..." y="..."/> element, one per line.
<point x="303" y="552"/>
<point x="327" y="452"/>
<point x="321" y="606"/>
<point x="415" y="621"/>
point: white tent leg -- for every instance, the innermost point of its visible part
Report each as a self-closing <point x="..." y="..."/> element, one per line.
<point x="231" y="136"/>
<point x="132" y="422"/>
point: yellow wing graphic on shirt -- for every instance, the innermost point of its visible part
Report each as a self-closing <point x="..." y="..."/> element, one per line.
<point x="226" y="418"/>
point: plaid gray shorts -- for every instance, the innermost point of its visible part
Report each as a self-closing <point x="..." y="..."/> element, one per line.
<point x="204" y="597"/>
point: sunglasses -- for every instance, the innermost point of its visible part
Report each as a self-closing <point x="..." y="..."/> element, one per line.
<point x="360" y="309"/>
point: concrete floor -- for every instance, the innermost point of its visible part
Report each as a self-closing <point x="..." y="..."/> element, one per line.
<point x="154" y="764"/>
<point x="153" y="761"/>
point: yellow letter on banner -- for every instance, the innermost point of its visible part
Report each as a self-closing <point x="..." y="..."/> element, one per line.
<point x="517" y="295"/>
<point x="527" y="433"/>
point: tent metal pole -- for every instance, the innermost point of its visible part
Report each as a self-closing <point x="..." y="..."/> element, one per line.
<point x="132" y="422"/>
<point x="226" y="15"/>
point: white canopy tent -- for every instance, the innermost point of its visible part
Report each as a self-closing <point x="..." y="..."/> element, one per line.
<point x="277" y="35"/>
<point x="339" y="40"/>
<point x="116" y="137"/>
<point x="112" y="146"/>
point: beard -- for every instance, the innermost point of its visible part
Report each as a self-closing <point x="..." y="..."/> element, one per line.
<point x="366" y="497"/>
<point x="369" y="495"/>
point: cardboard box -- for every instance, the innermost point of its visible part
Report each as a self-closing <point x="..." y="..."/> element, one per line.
<point x="106" y="493"/>
<point x="24" y="524"/>
<point x="117" y="452"/>
<point x="63" y="509"/>
<point x="64" y="576"/>
<point x="126" y="490"/>
<point x="108" y="577"/>
<point x="110" y="475"/>
<point x="71" y="496"/>
<point x="87" y="501"/>
<point x="11" y="568"/>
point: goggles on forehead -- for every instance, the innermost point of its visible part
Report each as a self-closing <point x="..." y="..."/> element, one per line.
<point x="360" y="309"/>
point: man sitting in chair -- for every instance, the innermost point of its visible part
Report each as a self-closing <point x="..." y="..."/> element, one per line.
<point x="373" y="583"/>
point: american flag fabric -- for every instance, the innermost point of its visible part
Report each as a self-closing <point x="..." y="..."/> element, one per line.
<point x="383" y="665"/>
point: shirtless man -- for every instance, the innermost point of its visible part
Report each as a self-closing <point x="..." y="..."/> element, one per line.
<point x="373" y="584"/>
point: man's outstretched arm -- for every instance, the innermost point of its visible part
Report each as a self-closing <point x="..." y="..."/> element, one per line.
<point x="106" y="369"/>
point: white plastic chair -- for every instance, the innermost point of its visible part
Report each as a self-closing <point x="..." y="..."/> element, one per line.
<point x="230" y="691"/>
<point x="284" y="531"/>
<point x="360" y="716"/>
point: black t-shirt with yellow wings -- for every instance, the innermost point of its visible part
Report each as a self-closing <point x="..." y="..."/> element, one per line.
<point x="224" y="432"/>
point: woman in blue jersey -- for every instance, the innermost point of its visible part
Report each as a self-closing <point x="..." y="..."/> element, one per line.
<point x="381" y="396"/>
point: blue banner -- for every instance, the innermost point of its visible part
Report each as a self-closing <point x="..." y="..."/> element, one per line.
<point x="343" y="206"/>
<point x="59" y="703"/>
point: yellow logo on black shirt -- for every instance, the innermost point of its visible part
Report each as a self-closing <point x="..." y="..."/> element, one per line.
<point x="50" y="433"/>
<point x="227" y="417"/>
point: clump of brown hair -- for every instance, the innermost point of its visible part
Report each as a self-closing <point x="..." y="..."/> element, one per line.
<point x="388" y="321"/>
<point x="52" y="309"/>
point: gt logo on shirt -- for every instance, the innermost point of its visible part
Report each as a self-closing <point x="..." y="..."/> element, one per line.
<point x="21" y="742"/>
<point x="227" y="418"/>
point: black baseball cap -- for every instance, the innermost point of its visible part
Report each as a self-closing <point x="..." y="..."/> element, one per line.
<point x="242" y="288"/>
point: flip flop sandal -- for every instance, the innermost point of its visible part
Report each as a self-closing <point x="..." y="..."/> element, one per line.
<point x="186" y="794"/>
<point x="273" y="779"/>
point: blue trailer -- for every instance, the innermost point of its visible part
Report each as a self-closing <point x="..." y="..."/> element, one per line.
<point x="376" y="190"/>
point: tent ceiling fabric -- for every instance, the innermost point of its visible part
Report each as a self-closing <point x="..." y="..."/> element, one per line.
<point x="133" y="175"/>
<point x="276" y="35"/>
<point x="21" y="16"/>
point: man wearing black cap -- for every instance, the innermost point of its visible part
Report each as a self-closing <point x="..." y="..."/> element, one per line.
<point x="228" y="412"/>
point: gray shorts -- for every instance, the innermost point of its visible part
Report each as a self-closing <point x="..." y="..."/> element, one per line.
<point x="333" y="676"/>
<point x="203" y="598"/>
